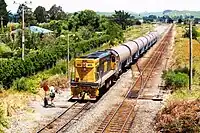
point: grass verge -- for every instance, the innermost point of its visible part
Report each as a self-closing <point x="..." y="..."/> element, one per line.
<point x="182" y="112"/>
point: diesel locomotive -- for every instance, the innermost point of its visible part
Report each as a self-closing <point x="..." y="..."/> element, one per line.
<point x="101" y="68"/>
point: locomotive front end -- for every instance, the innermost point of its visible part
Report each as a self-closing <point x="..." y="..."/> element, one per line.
<point x="88" y="74"/>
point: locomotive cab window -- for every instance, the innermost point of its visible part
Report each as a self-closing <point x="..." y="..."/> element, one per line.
<point x="113" y="58"/>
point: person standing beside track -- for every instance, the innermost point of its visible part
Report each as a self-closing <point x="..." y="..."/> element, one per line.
<point x="52" y="95"/>
<point x="45" y="87"/>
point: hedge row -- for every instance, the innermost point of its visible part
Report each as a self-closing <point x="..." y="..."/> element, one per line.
<point x="44" y="59"/>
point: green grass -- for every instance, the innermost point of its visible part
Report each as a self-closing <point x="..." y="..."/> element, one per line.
<point x="186" y="94"/>
<point x="134" y="32"/>
<point x="181" y="56"/>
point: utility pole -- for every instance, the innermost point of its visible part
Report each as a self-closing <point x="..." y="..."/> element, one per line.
<point x="68" y="60"/>
<point x="23" y="38"/>
<point x="23" y="23"/>
<point x="2" y="25"/>
<point x="190" y="61"/>
<point x="69" y="78"/>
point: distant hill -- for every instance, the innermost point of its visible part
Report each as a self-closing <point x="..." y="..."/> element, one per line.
<point x="151" y="13"/>
<point x="166" y="12"/>
<point x="173" y="13"/>
<point x="111" y="13"/>
<point x="183" y="13"/>
<point x="105" y="13"/>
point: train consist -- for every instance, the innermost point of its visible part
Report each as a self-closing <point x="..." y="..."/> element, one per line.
<point x="101" y="68"/>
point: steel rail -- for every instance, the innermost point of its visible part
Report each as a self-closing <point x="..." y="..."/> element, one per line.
<point x="133" y="107"/>
<point x="57" y="117"/>
<point x="62" y="126"/>
<point x="147" y="79"/>
<point x="73" y="117"/>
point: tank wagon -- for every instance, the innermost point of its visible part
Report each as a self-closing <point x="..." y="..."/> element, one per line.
<point x="101" y="68"/>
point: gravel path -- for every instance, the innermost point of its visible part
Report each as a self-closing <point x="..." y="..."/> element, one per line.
<point x="93" y="118"/>
<point x="147" y="109"/>
<point x="32" y="119"/>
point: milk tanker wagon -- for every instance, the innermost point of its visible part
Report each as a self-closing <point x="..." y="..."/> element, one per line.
<point x="101" y="68"/>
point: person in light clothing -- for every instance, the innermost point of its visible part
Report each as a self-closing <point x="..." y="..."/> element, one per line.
<point x="52" y="94"/>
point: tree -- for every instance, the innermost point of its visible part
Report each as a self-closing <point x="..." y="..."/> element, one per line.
<point x="195" y="33"/>
<point x="150" y="18"/>
<point x="89" y="17"/>
<point x="84" y="18"/>
<point x="85" y="32"/>
<point x="29" y="17"/>
<point x="121" y="18"/>
<point x="138" y="22"/>
<point x="114" y="31"/>
<point x="180" y="20"/>
<point x="56" y="13"/>
<point x="3" y="12"/>
<point x="40" y="14"/>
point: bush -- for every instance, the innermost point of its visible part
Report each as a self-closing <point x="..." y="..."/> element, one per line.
<point x="185" y="70"/>
<point x="138" y="22"/>
<point x="179" y="117"/>
<point x="195" y="33"/>
<point x="25" y="84"/>
<point x="5" y="51"/>
<point x="175" y="80"/>
<point x="60" y="68"/>
<point x="3" y="120"/>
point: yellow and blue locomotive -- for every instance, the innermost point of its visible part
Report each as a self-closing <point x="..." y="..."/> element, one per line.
<point x="91" y="73"/>
<point x="101" y="68"/>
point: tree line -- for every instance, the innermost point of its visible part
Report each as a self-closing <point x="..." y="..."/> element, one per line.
<point x="34" y="62"/>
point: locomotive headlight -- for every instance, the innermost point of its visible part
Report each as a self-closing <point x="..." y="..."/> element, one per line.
<point x="84" y="69"/>
<point x="84" y="64"/>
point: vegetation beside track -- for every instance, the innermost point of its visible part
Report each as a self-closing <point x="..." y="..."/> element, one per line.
<point x="181" y="113"/>
<point x="134" y="32"/>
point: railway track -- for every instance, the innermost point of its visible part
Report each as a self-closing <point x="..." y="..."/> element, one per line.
<point x="120" y="118"/>
<point x="61" y="123"/>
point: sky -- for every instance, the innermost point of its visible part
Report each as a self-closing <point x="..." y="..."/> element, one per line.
<point x="111" y="5"/>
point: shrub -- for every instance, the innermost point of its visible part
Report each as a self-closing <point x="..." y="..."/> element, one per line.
<point x="25" y="84"/>
<point x="195" y="33"/>
<point x="179" y="117"/>
<point x="185" y="70"/>
<point x="5" y="51"/>
<point x="3" y="120"/>
<point x="60" y="68"/>
<point x="138" y="22"/>
<point x="175" y="80"/>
